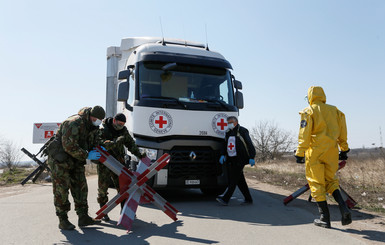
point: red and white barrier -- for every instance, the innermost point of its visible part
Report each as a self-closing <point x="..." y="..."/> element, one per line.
<point x="348" y="200"/>
<point x="133" y="187"/>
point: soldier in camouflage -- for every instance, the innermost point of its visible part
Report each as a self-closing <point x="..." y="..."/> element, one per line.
<point x="76" y="137"/>
<point x="114" y="136"/>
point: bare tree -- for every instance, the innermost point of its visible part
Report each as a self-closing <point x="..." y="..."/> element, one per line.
<point x="270" y="141"/>
<point x="10" y="154"/>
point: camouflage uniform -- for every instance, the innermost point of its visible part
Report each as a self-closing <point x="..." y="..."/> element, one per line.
<point x="114" y="141"/>
<point x="77" y="135"/>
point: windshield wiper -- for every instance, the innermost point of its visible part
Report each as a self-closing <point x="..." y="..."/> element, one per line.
<point x="222" y="103"/>
<point x="166" y="98"/>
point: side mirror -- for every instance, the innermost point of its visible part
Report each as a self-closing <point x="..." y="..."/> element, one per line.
<point x="239" y="100"/>
<point x="123" y="90"/>
<point x="237" y="84"/>
<point x="124" y="74"/>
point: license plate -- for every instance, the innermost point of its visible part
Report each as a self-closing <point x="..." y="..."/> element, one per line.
<point x="192" y="182"/>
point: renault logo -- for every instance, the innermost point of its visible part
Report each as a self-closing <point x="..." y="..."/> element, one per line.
<point x="193" y="155"/>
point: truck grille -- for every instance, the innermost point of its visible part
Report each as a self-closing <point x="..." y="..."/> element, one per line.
<point x="182" y="165"/>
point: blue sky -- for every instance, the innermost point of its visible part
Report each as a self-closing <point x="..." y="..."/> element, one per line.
<point x="53" y="56"/>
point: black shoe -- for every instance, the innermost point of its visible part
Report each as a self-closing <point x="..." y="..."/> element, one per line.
<point x="106" y="218"/>
<point x="64" y="223"/>
<point x="221" y="201"/>
<point x="247" y="202"/>
<point x="346" y="217"/>
<point x="324" y="220"/>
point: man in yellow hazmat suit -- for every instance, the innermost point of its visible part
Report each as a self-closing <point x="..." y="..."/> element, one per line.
<point x="322" y="131"/>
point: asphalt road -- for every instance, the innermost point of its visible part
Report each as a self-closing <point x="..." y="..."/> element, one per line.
<point x="28" y="217"/>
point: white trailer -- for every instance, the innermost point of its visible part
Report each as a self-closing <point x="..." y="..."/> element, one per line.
<point x="176" y="96"/>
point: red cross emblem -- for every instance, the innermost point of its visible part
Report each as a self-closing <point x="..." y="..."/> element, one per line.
<point x="222" y="124"/>
<point x="160" y="121"/>
<point x="231" y="146"/>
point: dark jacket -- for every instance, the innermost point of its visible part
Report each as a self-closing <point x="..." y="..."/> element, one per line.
<point x="118" y="139"/>
<point x="243" y="155"/>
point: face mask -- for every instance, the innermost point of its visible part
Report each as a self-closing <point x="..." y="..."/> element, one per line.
<point x="97" y="122"/>
<point x="230" y="126"/>
<point x="118" y="126"/>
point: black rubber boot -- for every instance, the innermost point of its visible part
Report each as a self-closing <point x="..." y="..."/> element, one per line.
<point x="346" y="216"/>
<point x="85" y="220"/>
<point x="64" y="223"/>
<point x="324" y="220"/>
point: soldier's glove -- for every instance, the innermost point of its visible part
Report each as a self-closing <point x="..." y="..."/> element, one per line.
<point x="93" y="155"/>
<point x="252" y="162"/>
<point x="344" y="155"/>
<point x="222" y="159"/>
<point x="300" y="160"/>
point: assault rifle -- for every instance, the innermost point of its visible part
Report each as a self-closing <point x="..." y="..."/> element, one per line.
<point x="39" y="170"/>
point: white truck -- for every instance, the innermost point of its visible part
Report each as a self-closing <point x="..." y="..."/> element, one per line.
<point x="176" y="96"/>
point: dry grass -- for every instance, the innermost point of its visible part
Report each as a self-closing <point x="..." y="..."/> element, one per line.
<point x="13" y="177"/>
<point x="362" y="178"/>
<point x="9" y="178"/>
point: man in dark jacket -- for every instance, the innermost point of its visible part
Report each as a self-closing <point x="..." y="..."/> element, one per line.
<point x="115" y="137"/>
<point x="237" y="151"/>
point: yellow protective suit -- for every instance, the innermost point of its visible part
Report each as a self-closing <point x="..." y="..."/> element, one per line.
<point x="322" y="130"/>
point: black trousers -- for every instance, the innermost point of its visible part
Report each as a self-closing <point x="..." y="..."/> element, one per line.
<point x="236" y="178"/>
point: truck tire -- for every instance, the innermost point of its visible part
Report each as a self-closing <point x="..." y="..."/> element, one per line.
<point x="213" y="191"/>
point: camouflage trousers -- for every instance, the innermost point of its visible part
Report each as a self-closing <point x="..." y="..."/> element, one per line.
<point x="69" y="176"/>
<point x="105" y="177"/>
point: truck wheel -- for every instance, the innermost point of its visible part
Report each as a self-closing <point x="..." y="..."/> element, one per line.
<point x="213" y="191"/>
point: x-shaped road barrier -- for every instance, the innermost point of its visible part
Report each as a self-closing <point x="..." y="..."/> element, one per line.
<point x="348" y="199"/>
<point x="133" y="188"/>
<point x="39" y="170"/>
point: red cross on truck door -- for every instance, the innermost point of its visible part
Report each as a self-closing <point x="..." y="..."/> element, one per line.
<point x="231" y="149"/>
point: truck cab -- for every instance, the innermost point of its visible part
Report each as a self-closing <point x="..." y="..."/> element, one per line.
<point x="176" y="96"/>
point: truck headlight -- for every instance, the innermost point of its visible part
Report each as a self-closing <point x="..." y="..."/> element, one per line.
<point x="151" y="153"/>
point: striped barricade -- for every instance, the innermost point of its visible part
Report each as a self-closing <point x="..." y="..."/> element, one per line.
<point x="133" y="188"/>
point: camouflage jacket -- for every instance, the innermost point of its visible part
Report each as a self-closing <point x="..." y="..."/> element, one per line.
<point x="115" y="140"/>
<point x="78" y="134"/>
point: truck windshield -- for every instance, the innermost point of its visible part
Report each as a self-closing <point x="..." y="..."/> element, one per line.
<point x="185" y="84"/>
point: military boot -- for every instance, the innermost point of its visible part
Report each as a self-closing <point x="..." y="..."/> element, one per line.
<point x="346" y="216"/>
<point x="64" y="223"/>
<point x="85" y="220"/>
<point x="324" y="220"/>
<point x="105" y="218"/>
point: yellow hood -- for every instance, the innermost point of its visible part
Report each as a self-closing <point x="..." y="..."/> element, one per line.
<point x="316" y="93"/>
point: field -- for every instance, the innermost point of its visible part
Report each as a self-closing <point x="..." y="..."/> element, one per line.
<point x="362" y="177"/>
<point x="9" y="178"/>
